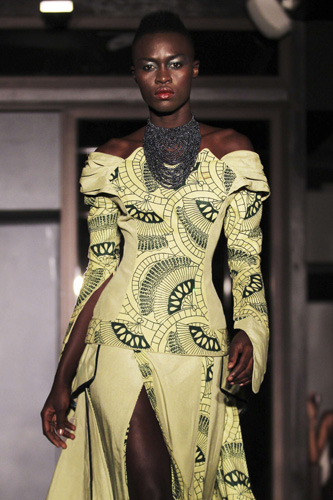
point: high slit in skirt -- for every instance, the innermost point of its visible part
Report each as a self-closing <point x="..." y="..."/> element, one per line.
<point x="200" y="426"/>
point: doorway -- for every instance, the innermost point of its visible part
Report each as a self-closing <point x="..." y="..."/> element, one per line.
<point x="86" y="130"/>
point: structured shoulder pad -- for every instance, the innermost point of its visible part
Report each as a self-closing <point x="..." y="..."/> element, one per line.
<point x="99" y="176"/>
<point x="249" y="172"/>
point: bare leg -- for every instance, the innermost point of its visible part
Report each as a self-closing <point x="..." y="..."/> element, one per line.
<point x="147" y="457"/>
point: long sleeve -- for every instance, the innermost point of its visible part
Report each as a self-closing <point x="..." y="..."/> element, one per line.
<point x="244" y="240"/>
<point x="104" y="250"/>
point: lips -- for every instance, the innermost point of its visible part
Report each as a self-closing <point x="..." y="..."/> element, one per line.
<point x="164" y="92"/>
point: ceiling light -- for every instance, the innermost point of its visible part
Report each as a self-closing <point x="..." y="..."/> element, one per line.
<point x="56" y="7"/>
<point x="56" y="14"/>
<point x="270" y="17"/>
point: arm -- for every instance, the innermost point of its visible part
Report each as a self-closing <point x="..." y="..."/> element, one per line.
<point x="103" y="259"/>
<point x="248" y="349"/>
<point x="312" y="411"/>
<point x="325" y="429"/>
<point x="103" y="251"/>
<point x="318" y="435"/>
<point x="54" y="412"/>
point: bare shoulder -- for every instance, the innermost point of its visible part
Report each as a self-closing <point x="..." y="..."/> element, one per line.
<point x="223" y="141"/>
<point x="124" y="146"/>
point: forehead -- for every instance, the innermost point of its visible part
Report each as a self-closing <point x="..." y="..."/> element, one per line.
<point x="162" y="44"/>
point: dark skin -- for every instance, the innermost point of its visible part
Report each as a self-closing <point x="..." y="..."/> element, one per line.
<point x="162" y="62"/>
<point x="56" y="407"/>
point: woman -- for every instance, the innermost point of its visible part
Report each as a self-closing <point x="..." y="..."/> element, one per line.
<point x="145" y="356"/>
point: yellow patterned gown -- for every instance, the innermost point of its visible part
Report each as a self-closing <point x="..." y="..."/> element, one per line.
<point x="159" y="323"/>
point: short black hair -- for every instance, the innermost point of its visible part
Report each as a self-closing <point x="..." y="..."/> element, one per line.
<point x="161" y="21"/>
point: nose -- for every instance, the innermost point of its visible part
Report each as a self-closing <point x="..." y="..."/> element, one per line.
<point x="163" y="75"/>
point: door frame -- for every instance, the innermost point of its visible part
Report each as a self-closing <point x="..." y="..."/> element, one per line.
<point x="277" y="116"/>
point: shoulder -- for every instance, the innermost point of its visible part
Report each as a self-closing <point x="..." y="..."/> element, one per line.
<point x="223" y="141"/>
<point x="124" y="146"/>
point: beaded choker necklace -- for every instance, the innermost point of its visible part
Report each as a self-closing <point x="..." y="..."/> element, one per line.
<point x="171" y="152"/>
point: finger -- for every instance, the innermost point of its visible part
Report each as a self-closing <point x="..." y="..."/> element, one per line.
<point x="69" y="431"/>
<point x="50" y="426"/>
<point x="247" y="372"/>
<point x="240" y="369"/>
<point x="65" y="430"/>
<point x="70" y="425"/>
<point x="49" y="432"/>
<point x="233" y="355"/>
<point x="245" y="383"/>
<point x="245" y="375"/>
<point x="55" y="439"/>
<point x="62" y="421"/>
<point x="243" y="380"/>
<point x="68" y="435"/>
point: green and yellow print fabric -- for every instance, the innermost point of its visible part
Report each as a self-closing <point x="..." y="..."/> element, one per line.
<point x="161" y="297"/>
<point x="232" y="480"/>
<point x="103" y="253"/>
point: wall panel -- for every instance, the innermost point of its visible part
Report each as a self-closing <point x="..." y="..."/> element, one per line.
<point x="29" y="161"/>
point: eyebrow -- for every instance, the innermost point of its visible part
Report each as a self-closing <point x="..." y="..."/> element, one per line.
<point x="156" y="60"/>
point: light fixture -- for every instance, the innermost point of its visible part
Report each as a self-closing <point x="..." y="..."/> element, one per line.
<point x="56" y="14"/>
<point x="270" y="17"/>
<point x="56" y="7"/>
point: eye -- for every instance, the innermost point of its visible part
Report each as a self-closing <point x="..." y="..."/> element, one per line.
<point x="176" y="65"/>
<point x="148" y="67"/>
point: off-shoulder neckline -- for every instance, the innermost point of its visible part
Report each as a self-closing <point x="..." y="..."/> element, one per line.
<point x="201" y="151"/>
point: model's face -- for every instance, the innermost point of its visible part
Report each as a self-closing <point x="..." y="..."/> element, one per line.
<point x="163" y="67"/>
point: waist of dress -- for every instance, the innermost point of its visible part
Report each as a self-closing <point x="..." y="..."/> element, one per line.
<point x="188" y="339"/>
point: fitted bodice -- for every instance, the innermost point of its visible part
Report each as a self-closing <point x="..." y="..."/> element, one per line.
<point x="161" y="296"/>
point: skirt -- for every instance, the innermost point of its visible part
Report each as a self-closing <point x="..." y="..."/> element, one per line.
<point x="200" y="425"/>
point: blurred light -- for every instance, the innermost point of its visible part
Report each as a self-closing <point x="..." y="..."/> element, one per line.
<point x="270" y="17"/>
<point x="56" y="7"/>
<point x="227" y="286"/>
<point x="77" y="284"/>
<point x="290" y="4"/>
<point x="120" y="41"/>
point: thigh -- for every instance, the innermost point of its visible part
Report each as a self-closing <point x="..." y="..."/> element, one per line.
<point x="147" y="457"/>
<point x="113" y="394"/>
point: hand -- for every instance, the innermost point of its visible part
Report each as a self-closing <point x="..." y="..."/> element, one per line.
<point x="54" y="416"/>
<point x="240" y="359"/>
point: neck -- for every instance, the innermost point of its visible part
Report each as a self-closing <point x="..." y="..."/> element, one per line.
<point x="171" y="152"/>
<point x="171" y="120"/>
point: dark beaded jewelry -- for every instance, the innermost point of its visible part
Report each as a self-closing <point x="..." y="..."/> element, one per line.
<point x="171" y="152"/>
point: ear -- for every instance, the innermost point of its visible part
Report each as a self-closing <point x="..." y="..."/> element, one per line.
<point x="195" y="70"/>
